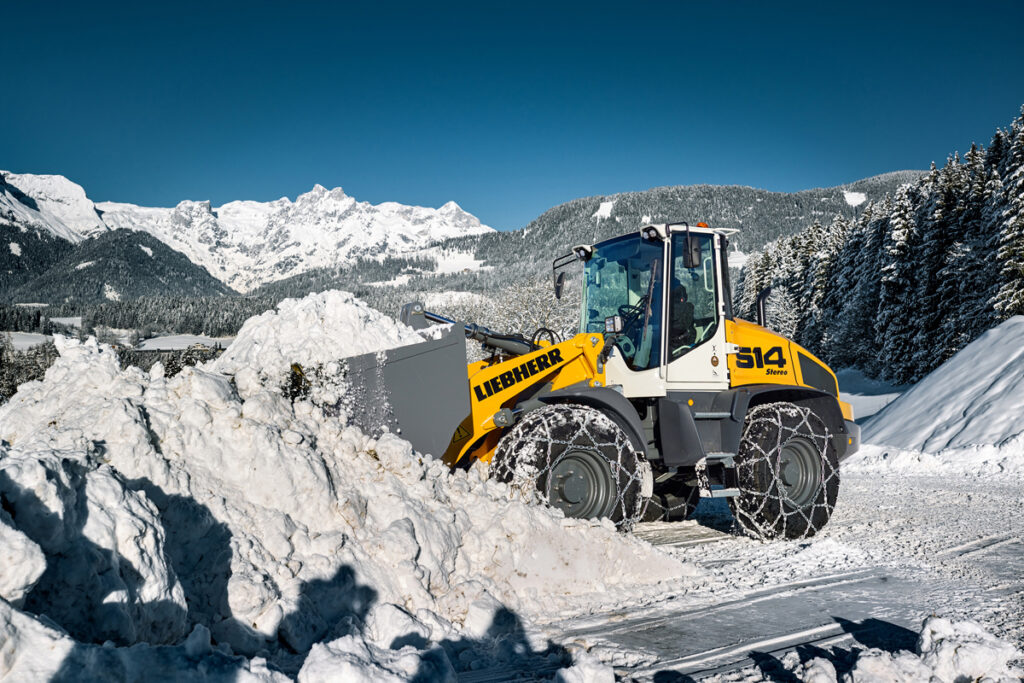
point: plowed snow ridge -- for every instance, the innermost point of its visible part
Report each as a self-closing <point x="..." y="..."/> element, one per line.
<point x="140" y="509"/>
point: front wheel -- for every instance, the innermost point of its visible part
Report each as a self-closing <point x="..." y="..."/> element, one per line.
<point x="788" y="473"/>
<point x="579" y="461"/>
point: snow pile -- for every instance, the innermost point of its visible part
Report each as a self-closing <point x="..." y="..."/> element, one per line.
<point x="947" y="652"/>
<point x="314" y="331"/>
<point x="964" y="416"/>
<point x="139" y="509"/>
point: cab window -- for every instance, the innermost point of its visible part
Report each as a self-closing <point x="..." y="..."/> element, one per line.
<point x="693" y="297"/>
<point x="624" y="277"/>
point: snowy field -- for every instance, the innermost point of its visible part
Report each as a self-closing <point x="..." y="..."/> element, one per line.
<point x="174" y="342"/>
<point x="26" y="340"/>
<point x="205" y="527"/>
<point x="171" y="342"/>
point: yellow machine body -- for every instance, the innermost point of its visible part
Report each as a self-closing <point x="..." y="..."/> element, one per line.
<point x="764" y="357"/>
<point x="494" y="386"/>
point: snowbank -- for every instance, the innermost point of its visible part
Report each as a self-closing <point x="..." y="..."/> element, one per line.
<point x="946" y="652"/>
<point x="141" y="508"/>
<point x="980" y="460"/>
<point x="973" y="399"/>
<point x="962" y="418"/>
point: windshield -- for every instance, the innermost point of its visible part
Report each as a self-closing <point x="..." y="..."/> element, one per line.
<point x="624" y="278"/>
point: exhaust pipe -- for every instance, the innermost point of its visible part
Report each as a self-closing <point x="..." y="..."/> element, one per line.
<point x="761" y="298"/>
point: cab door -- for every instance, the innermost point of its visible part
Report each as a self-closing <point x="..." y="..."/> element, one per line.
<point x="695" y="350"/>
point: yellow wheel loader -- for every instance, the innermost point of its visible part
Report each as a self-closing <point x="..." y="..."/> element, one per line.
<point x="663" y="397"/>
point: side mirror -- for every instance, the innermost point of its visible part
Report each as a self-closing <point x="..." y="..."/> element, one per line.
<point x="691" y="257"/>
<point x="559" y="284"/>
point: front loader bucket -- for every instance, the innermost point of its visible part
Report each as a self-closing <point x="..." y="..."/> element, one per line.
<point x="420" y="392"/>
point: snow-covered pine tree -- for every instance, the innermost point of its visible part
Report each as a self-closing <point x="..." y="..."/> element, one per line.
<point x="1009" y="298"/>
<point x="894" y="324"/>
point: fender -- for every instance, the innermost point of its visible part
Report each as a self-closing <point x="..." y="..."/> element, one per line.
<point x="737" y="402"/>
<point x="609" y="401"/>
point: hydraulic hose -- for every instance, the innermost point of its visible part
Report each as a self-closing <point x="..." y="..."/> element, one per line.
<point x="517" y="346"/>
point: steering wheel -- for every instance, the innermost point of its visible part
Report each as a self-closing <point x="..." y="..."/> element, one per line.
<point x="631" y="314"/>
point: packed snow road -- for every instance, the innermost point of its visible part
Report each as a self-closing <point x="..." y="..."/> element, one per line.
<point x="898" y="549"/>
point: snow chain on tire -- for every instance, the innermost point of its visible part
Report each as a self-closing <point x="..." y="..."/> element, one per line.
<point x="547" y="446"/>
<point x="786" y="452"/>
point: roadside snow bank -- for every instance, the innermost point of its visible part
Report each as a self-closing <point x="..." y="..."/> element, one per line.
<point x="984" y="460"/>
<point x="974" y="399"/>
<point x="144" y="507"/>
<point x="947" y="652"/>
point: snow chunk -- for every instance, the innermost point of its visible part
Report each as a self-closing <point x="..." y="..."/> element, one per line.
<point x="586" y="669"/>
<point x="15" y="248"/>
<point x="353" y="659"/>
<point x="947" y="651"/>
<point x="854" y="198"/>
<point x="983" y="411"/>
<point x="315" y="330"/>
<point x="605" y="210"/>
<point x="21" y="562"/>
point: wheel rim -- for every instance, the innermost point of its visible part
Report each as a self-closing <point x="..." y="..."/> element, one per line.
<point x="581" y="485"/>
<point x="800" y="471"/>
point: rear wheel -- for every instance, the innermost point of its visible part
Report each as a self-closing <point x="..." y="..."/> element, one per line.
<point x="578" y="460"/>
<point x="788" y="473"/>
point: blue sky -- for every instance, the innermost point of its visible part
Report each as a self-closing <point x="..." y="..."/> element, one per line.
<point x="506" y="108"/>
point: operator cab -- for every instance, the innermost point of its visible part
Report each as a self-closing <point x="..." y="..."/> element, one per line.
<point x="666" y="289"/>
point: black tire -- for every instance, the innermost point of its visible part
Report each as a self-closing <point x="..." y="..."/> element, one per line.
<point x="673" y="501"/>
<point x="578" y="460"/>
<point x="788" y="473"/>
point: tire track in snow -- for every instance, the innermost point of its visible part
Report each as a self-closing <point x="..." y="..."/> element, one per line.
<point x="980" y="545"/>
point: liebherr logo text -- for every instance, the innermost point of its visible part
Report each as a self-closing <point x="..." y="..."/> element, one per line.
<point x="518" y="374"/>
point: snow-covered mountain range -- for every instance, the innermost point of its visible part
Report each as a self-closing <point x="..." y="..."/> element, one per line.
<point x="242" y="243"/>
